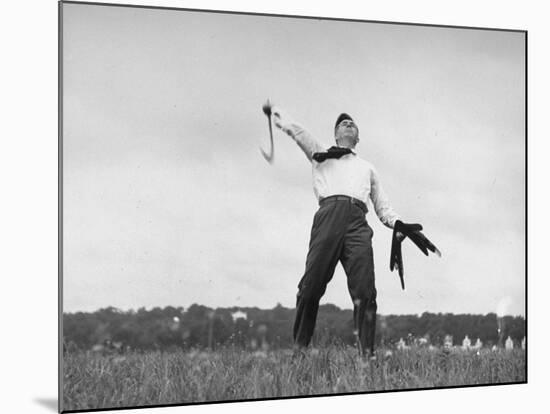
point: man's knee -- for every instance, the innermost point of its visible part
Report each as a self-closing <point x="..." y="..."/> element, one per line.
<point x="367" y="302"/>
<point x="371" y="307"/>
<point x="309" y="294"/>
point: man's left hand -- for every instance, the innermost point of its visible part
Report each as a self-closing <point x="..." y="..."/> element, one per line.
<point x="399" y="236"/>
<point x="412" y="231"/>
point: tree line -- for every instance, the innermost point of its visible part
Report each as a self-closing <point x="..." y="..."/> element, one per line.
<point x="200" y="327"/>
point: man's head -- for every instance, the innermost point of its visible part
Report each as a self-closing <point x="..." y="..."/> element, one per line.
<point x="346" y="132"/>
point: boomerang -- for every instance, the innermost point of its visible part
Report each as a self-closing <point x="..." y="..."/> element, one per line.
<point x="268" y="155"/>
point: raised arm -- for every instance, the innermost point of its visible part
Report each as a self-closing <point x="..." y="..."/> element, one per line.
<point x="380" y="201"/>
<point x="298" y="133"/>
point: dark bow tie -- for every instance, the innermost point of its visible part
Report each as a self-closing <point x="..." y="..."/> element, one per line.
<point x="333" y="152"/>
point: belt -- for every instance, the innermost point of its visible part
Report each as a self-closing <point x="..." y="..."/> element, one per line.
<point x="351" y="200"/>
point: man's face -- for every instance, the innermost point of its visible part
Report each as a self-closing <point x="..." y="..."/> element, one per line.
<point x="347" y="133"/>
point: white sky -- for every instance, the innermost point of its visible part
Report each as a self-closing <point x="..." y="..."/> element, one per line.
<point x="167" y="200"/>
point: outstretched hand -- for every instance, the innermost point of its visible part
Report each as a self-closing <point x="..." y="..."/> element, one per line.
<point x="280" y="119"/>
<point x="277" y="117"/>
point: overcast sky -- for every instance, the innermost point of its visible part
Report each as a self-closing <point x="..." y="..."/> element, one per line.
<point x="168" y="201"/>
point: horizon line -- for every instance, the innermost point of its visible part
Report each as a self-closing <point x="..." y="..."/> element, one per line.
<point x="185" y="308"/>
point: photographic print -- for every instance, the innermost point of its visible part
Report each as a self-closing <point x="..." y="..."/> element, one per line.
<point x="263" y="206"/>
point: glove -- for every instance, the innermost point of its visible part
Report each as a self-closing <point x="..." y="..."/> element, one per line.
<point x="413" y="232"/>
<point x="423" y="243"/>
<point x="396" y="259"/>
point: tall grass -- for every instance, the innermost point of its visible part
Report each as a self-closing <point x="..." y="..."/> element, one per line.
<point x="137" y="379"/>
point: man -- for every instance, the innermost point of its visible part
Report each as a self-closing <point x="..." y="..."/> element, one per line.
<point x="342" y="182"/>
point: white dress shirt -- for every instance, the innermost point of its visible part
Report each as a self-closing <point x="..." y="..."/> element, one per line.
<point x="348" y="175"/>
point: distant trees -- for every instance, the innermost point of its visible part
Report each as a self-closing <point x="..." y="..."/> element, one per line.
<point x="203" y="327"/>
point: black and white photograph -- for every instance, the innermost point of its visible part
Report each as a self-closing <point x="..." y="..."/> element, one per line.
<point x="265" y="206"/>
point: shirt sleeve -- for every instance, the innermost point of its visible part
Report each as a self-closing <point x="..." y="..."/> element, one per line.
<point x="297" y="132"/>
<point x="381" y="203"/>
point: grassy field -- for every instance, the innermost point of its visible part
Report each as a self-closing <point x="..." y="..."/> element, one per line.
<point x="136" y="379"/>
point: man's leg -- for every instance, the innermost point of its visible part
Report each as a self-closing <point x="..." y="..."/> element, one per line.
<point x="325" y="245"/>
<point x="357" y="260"/>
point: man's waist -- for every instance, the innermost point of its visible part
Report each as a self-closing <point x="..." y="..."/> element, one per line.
<point x="344" y="198"/>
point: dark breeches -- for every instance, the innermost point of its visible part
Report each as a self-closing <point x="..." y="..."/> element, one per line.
<point x="339" y="233"/>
